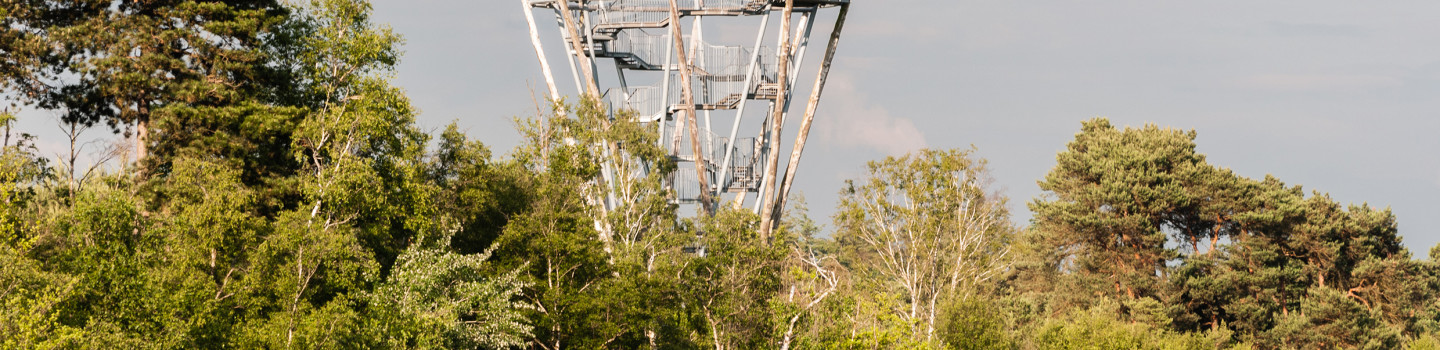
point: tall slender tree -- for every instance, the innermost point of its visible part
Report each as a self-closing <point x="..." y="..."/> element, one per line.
<point x="929" y="227"/>
<point x="132" y="64"/>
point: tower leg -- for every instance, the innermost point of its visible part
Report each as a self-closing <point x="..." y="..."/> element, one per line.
<point x="574" y="72"/>
<point x="811" y="107"/>
<point x="689" y="100"/>
<point x="540" y="51"/>
<point x="591" y="89"/>
<point x="665" y="94"/>
<point x="722" y="178"/>
<point x="777" y="124"/>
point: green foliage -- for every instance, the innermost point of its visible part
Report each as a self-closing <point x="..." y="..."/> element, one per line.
<point x="195" y="69"/>
<point x="887" y="338"/>
<point x="274" y="213"/>
<point x="1099" y="329"/>
<point x="1112" y="192"/>
<point x="9" y="227"/>
<point x="1423" y="342"/>
<point x="446" y="295"/>
<point x="973" y="324"/>
<point x="1331" y="319"/>
<point x="480" y="193"/>
<point x="1092" y="331"/>
<point x="20" y="168"/>
<point x="29" y="303"/>
<point x="926" y="228"/>
<point x="735" y="282"/>
<point x="289" y="200"/>
<point x="1137" y="215"/>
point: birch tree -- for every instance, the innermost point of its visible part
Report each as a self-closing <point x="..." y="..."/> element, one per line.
<point x="928" y="226"/>
<point x="600" y="235"/>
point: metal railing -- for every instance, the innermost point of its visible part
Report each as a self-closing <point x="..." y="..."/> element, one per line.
<point x="742" y="163"/>
<point x="664" y="5"/>
<point x="742" y="176"/>
<point x="644" y="101"/>
<point x="720" y="74"/>
<point x="632" y="11"/>
<point x="654" y="11"/>
<point x="648" y="47"/>
<point x="687" y="188"/>
<point x="768" y="70"/>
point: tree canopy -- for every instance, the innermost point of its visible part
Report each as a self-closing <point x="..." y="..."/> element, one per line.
<point x="280" y="194"/>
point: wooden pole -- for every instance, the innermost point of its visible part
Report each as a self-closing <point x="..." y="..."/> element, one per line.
<point x="688" y="99"/>
<point x="540" y="52"/>
<point x="797" y="58"/>
<point x="777" y="123"/>
<point x="590" y="43"/>
<point x="592" y="90"/>
<point x="695" y="33"/>
<point x="811" y="107"/>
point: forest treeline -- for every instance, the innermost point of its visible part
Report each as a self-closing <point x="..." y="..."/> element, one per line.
<point x="278" y="193"/>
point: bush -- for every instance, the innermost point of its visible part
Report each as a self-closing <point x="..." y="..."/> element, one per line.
<point x="973" y="324"/>
<point x="1100" y="329"/>
<point x="1424" y="342"/>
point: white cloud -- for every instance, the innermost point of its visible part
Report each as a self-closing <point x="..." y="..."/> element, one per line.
<point x="851" y="120"/>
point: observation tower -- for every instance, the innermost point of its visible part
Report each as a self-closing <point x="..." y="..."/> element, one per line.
<point x="719" y="102"/>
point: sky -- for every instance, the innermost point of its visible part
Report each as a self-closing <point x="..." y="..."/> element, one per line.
<point x="1338" y="96"/>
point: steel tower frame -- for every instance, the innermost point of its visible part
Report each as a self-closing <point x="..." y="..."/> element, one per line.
<point x="698" y="78"/>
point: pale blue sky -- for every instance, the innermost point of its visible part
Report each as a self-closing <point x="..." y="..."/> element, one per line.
<point x="1337" y="95"/>
<point x="1340" y="96"/>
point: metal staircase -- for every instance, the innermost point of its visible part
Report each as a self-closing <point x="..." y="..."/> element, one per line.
<point x="637" y="36"/>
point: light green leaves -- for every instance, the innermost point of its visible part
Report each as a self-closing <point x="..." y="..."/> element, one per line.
<point x="928" y="227"/>
<point x="450" y="301"/>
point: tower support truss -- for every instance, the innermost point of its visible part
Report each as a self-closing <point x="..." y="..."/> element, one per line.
<point x="670" y="75"/>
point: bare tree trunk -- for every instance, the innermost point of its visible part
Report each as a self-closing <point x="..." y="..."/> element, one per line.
<point x="591" y="89"/>
<point x="142" y="134"/>
<point x="832" y="284"/>
<point x="73" y="134"/>
<point x="689" y="101"/>
<point x="142" y="130"/>
<point x="7" y="120"/>
<point x="931" y="257"/>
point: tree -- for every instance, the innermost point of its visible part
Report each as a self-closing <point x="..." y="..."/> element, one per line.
<point x="1125" y="216"/>
<point x="1110" y="198"/>
<point x="1101" y="328"/>
<point x="1330" y="319"/>
<point x="811" y="275"/>
<point x="928" y="227"/>
<point x="131" y="63"/>
<point x="734" y="282"/>
<point x="335" y="245"/>
<point x="445" y="295"/>
<point x="599" y="236"/>
<point x="30" y="295"/>
<point x="481" y="193"/>
<point x="973" y="324"/>
<point x="363" y="196"/>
